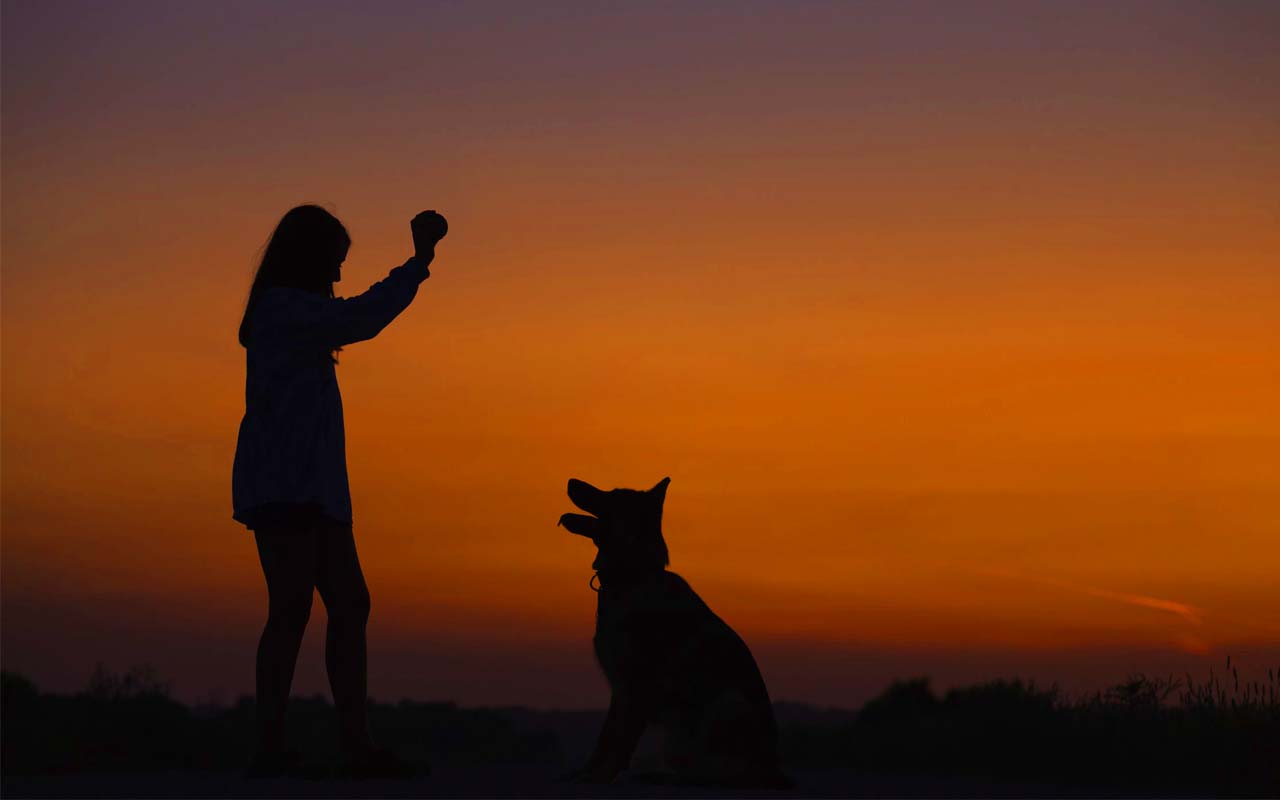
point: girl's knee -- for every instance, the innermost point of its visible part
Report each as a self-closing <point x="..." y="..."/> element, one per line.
<point x="289" y="616"/>
<point x="351" y="608"/>
<point x="361" y="606"/>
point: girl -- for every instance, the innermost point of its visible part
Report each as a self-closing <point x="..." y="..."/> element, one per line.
<point x="289" y="480"/>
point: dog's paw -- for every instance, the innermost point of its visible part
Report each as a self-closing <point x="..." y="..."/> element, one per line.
<point x="594" y="775"/>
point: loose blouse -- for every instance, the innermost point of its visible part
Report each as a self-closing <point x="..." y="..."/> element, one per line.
<point x="291" y="451"/>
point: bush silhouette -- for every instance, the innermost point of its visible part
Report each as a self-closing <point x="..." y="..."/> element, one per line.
<point x="1143" y="735"/>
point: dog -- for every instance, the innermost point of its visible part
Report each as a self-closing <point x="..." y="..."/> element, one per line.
<point x="670" y="661"/>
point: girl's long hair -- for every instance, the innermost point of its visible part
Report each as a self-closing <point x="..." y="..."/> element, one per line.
<point x="300" y="255"/>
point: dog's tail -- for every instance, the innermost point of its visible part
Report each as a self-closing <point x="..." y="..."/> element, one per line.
<point x="775" y="778"/>
<point x="763" y="777"/>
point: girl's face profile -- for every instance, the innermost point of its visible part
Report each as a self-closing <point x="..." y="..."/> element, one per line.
<point x="339" y="256"/>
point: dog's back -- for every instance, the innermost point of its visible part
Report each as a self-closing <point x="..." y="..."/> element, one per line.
<point x="658" y="640"/>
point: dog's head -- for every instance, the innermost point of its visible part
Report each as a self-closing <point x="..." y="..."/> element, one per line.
<point x="625" y="524"/>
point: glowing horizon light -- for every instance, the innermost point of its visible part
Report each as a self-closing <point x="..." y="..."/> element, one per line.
<point x="955" y="331"/>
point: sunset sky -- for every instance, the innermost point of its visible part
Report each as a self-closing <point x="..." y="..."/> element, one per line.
<point x="955" y="325"/>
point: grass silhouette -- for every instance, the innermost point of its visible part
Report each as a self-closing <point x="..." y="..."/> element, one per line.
<point x="1218" y="735"/>
<point x="1143" y="734"/>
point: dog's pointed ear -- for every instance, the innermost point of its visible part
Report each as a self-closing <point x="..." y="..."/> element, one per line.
<point x="587" y="497"/>
<point x="580" y="524"/>
<point x="659" y="489"/>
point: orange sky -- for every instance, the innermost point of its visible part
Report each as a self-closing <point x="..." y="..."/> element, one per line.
<point x="955" y="330"/>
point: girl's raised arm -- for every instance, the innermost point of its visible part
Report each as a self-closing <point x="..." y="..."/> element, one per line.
<point x="331" y="322"/>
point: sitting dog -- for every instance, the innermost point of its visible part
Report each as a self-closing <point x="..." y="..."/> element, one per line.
<point x="670" y="661"/>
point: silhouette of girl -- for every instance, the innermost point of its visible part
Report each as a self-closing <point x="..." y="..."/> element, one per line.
<point x="289" y="480"/>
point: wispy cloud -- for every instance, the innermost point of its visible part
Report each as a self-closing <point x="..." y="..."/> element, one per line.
<point x="1191" y="614"/>
<point x="1188" y="612"/>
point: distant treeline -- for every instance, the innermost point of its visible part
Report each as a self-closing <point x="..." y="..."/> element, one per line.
<point x="1145" y="735"/>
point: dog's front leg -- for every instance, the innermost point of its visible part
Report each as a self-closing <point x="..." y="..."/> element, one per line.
<point x="618" y="739"/>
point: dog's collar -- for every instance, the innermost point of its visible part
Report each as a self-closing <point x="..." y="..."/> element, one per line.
<point x="596" y="584"/>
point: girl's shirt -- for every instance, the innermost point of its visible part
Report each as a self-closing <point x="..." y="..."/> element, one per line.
<point x="292" y="445"/>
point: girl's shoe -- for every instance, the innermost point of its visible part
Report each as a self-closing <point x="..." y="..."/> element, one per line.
<point x="274" y="764"/>
<point x="379" y="762"/>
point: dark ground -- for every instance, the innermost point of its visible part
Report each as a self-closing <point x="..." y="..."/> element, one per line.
<point x="125" y="737"/>
<point x="518" y="781"/>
